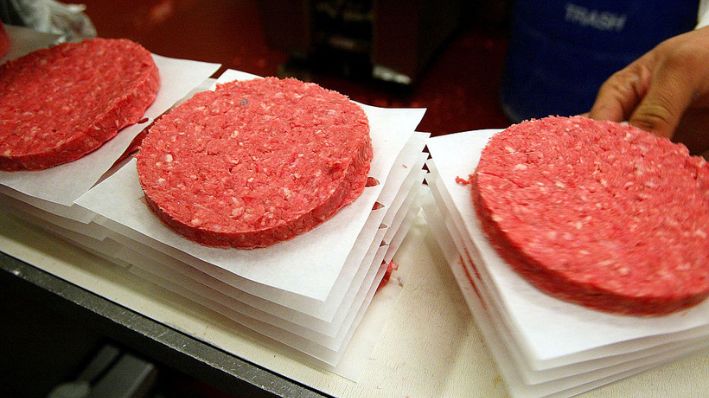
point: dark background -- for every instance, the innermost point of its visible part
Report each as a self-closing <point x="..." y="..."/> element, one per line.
<point x="459" y="84"/>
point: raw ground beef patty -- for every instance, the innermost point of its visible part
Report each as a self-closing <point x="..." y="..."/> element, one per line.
<point x="598" y="213"/>
<point x="255" y="162"/>
<point x="59" y="104"/>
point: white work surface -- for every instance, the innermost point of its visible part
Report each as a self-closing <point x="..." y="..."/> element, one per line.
<point x="429" y="346"/>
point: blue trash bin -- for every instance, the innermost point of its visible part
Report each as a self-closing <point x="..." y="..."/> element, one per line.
<point x="560" y="52"/>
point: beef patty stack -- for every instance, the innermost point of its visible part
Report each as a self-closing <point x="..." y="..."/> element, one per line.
<point x="598" y="214"/>
<point x="260" y="203"/>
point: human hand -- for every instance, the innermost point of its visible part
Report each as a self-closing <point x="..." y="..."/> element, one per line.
<point x="666" y="91"/>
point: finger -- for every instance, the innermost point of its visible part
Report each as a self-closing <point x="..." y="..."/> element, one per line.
<point x="670" y="93"/>
<point x="692" y="130"/>
<point x="622" y="92"/>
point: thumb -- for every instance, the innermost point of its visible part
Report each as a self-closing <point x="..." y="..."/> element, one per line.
<point x="670" y="94"/>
